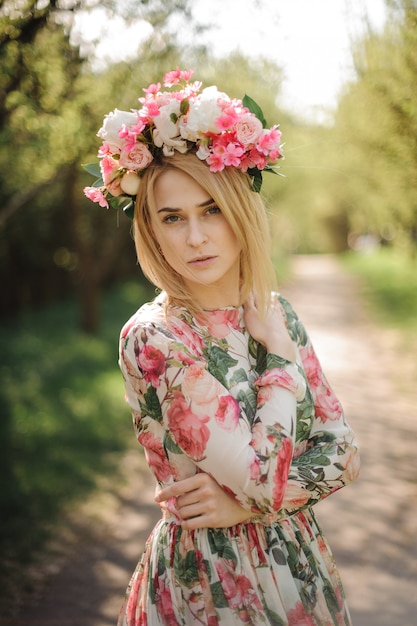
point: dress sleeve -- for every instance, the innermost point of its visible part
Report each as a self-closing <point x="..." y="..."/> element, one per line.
<point x="328" y="458"/>
<point x="167" y="381"/>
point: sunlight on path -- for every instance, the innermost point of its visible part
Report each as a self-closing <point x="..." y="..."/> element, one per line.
<point x="371" y="525"/>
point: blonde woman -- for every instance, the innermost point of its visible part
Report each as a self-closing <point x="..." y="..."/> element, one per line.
<point x="239" y="425"/>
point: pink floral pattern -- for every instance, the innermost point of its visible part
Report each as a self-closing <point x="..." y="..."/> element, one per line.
<point x="205" y="397"/>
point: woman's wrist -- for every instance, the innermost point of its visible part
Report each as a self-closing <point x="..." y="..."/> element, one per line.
<point x="283" y="348"/>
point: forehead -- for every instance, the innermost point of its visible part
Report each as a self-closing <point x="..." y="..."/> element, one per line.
<point x="175" y="188"/>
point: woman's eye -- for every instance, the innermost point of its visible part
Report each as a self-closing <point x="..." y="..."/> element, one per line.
<point x="213" y="210"/>
<point x="171" y="219"/>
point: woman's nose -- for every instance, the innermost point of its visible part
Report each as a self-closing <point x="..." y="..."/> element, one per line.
<point x="196" y="234"/>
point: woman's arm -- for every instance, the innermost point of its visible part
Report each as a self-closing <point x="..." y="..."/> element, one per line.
<point x="202" y="503"/>
<point x="169" y="388"/>
<point x="329" y="459"/>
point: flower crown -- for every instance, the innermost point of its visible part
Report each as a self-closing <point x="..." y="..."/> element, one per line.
<point x="224" y="132"/>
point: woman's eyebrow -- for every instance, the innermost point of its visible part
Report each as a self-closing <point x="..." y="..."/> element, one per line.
<point x="168" y="209"/>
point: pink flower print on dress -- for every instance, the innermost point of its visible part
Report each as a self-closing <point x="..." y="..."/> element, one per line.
<point x="298" y="616"/>
<point x="281" y="472"/>
<point x="201" y="388"/>
<point x="327" y="405"/>
<point x="188" y="429"/>
<point x="152" y="362"/>
<point x="311" y="366"/>
<point x="155" y="456"/>
<point x="351" y="462"/>
<point x="185" y="334"/>
<point x="237" y="588"/>
<point x="227" y="414"/>
<point x="219" y="322"/>
<point x="295" y="496"/>
<point x="164" y="602"/>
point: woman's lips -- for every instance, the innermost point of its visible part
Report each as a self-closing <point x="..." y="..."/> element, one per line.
<point x="203" y="261"/>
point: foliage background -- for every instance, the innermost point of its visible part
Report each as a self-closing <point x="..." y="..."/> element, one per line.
<point x="68" y="271"/>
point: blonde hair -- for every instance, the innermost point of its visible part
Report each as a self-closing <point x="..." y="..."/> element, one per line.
<point x="243" y="209"/>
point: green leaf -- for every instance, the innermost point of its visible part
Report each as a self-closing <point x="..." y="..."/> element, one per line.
<point x="124" y="203"/>
<point x="92" y="168"/>
<point x="274" y="618"/>
<point x="152" y="404"/>
<point x="219" y="599"/>
<point x="129" y="209"/>
<point x="170" y="445"/>
<point x="257" y="178"/>
<point x="273" y="169"/>
<point x="248" y="399"/>
<point x="254" y="108"/>
<point x="186" y="567"/>
<point x="184" y="106"/>
<point x="240" y="376"/>
<point x="219" y="363"/>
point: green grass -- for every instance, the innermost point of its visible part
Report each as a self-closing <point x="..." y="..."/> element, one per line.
<point x="389" y="285"/>
<point x="63" y="421"/>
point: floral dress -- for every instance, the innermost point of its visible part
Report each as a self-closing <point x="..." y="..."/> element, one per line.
<point x="205" y="397"/>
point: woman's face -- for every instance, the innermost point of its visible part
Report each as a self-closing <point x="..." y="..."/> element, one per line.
<point x="196" y="240"/>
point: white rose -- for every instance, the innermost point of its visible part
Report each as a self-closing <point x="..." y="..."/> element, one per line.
<point x="203" y="113"/>
<point x="112" y="123"/>
<point x="130" y="183"/>
<point x="203" y="152"/>
<point x="164" y="125"/>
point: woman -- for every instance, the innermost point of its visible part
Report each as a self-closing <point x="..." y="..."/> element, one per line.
<point x="238" y="423"/>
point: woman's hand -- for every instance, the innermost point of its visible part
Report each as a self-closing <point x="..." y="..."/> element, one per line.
<point x="270" y="330"/>
<point x="202" y="503"/>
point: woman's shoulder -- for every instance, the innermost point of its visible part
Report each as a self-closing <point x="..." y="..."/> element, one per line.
<point x="149" y="315"/>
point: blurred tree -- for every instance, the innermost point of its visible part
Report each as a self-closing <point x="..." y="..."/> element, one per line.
<point x="51" y="106"/>
<point x="377" y="125"/>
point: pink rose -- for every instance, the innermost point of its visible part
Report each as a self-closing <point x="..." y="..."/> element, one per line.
<point x="300" y="448"/>
<point x="182" y="357"/>
<point x="96" y="195"/>
<point x="248" y="129"/>
<point x="108" y="166"/>
<point x="155" y="456"/>
<point x="227" y="414"/>
<point x="327" y="405"/>
<point x="152" y="363"/>
<point x="258" y="436"/>
<point x="200" y="386"/>
<point x="184" y="333"/>
<point x="189" y="430"/>
<point x="255" y="468"/>
<point x="269" y="140"/>
<point x="282" y="378"/>
<point x="220" y="322"/>
<point x="311" y="366"/>
<point x="295" y="496"/>
<point x="237" y="588"/>
<point x="281" y="472"/>
<point x="351" y="462"/>
<point x="163" y="601"/>
<point x="138" y="158"/>
<point x="264" y="395"/>
<point x="298" y="616"/>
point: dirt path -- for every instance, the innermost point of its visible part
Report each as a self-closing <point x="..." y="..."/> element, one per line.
<point x="371" y="525"/>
